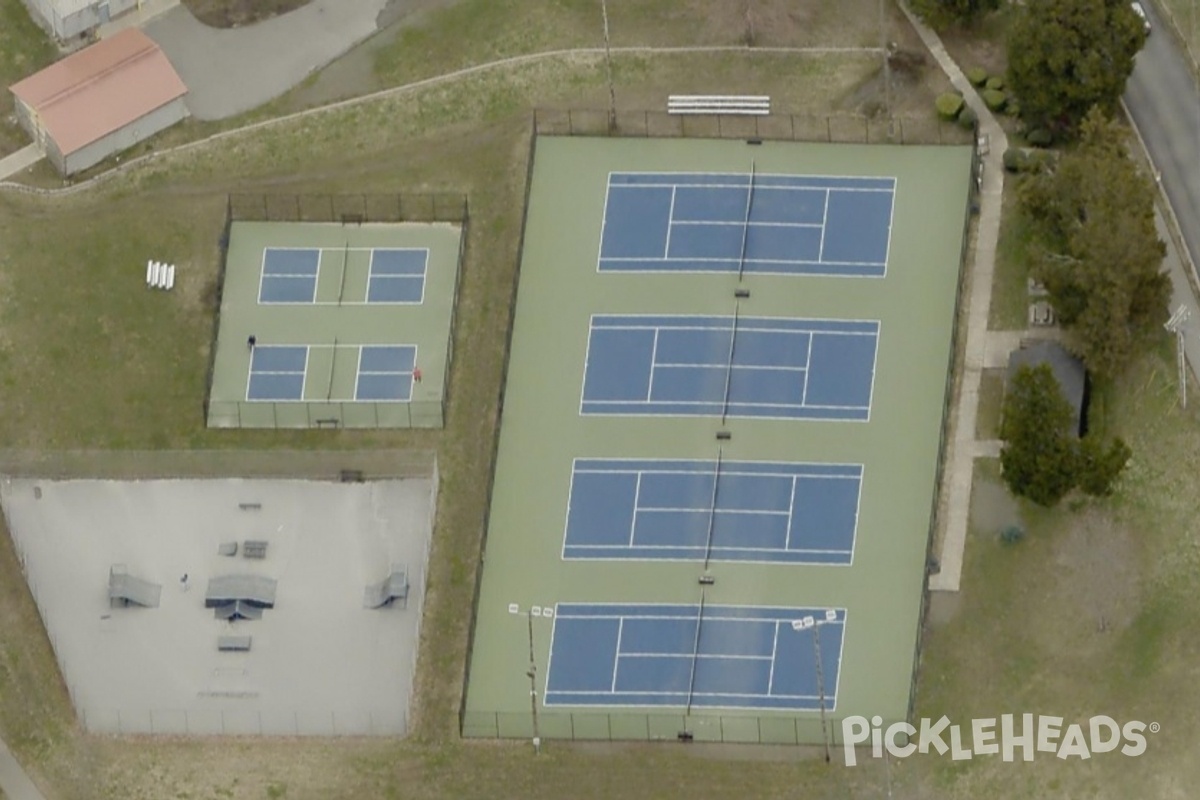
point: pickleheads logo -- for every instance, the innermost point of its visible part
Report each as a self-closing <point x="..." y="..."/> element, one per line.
<point x="1029" y="735"/>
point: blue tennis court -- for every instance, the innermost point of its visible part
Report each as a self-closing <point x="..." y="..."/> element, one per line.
<point x="766" y="224"/>
<point x="397" y="275"/>
<point x="736" y="657"/>
<point x="726" y="511"/>
<point x="289" y="275"/>
<point x="385" y="373"/>
<point x="744" y="367"/>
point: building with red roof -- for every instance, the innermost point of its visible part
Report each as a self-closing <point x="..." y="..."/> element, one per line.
<point x="101" y="100"/>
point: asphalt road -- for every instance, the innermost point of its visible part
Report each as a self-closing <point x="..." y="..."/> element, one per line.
<point x="1164" y="100"/>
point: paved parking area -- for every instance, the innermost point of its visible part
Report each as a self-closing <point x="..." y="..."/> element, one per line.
<point x="230" y="71"/>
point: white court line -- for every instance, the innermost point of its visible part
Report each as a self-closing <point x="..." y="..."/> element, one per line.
<point x="808" y="373"/>
<point x="787" y="542"/>
<point x="700" y="550"/>
<point x="603" y="223"/>
<point x="824" y="221"/>
<point x="670" y="221"/>
<point x="684" y="510"/>
<point x="653" y="364"/>
<point x="774" y="651"/>
<point x="718" y="404"/>
<point x="756" y="260"/>
<point x="744" y="326"/>
<point x="304" y="382"/>
<point x="710" y="461"/>
<point x="617" y="653"/>
<point x="762" y="367"/>
<point x="689" y="656"/>
<point x="740" y="224"/>
<point x="637" y="490"/>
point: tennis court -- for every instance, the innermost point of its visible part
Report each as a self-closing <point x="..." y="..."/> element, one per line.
<point x="730" y="657"/>
<point x="712" y="510"/>
<point x="730" y="366"/>
<point x="717" y="462"/>
<point x="332" y="325"/>
<point x="730" y="222"/>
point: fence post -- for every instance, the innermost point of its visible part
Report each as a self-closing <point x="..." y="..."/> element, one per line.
<point x="828" y="130"/>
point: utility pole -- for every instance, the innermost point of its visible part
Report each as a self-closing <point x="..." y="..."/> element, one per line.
<point x="813" y="624"/>
<point x="612" y="95"/>
<point x="532" y="673"/>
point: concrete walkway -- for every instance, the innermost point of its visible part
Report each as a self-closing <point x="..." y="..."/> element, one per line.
<point x="230" y="71"/>
<point x="958" y="469"/>
<point x="24" y="158"/>
<point x="13" y="780"/>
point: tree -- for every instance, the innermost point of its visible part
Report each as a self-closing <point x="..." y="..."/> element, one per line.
<point x="1041" y="459"/>
<point x="1038" y="459"/>
<point x="1098" y="252"/>
<point x="1101" y="465"/>
<point x="943" y="13"/>
<point x="1065" y="56"/>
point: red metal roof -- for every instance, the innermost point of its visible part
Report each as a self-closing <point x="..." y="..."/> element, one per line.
<point x="102" y="88"/>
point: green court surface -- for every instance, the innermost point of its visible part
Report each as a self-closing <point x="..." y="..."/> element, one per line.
<point x="345" y="335"/>
<point x="547" y="430"/>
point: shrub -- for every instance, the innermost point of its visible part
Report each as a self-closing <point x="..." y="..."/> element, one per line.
<point x="1027" y="160"/>
<point x="994" y="99"/>
<point x="996" y="82"/>
<point x="1012" y="108"/>
<point x="967" y="117"/>
<point x="948" y="105"/>
<point x="1012" y="534"/>
<point x="1040" y="137"/>
<point x="1014" y="159"/>
<point x="977" y="76"/>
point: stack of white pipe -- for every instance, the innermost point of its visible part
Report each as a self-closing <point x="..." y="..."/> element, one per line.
<point x="160" y="275"/>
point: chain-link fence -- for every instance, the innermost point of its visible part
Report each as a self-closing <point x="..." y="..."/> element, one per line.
<point x="332" y="465"/>
<point x="622" y="726"/>
<point x="354" y="414"/>
<point x="832" y="128"/>
<point x="349" y="208"/>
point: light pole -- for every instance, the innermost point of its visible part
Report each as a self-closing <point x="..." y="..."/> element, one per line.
<point x="531" y="673"/>
<point x="813" y="624"/>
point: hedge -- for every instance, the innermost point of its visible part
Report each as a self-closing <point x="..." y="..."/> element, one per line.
<point x="948" y="105"/>
<point x="994" y="99"/>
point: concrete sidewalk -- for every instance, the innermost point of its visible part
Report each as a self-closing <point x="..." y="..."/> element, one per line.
<point x="959" y="467"/>
<point x="24" y="158"/>
<point x="13" y="780"/>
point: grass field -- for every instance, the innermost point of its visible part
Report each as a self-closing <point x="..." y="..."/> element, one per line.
<point x="1009" y="309"/>
<point x="24" y="49"/>
<point x="88" y="357"/>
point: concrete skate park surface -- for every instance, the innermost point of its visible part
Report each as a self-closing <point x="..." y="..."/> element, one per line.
<point x="319" y="662"/>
